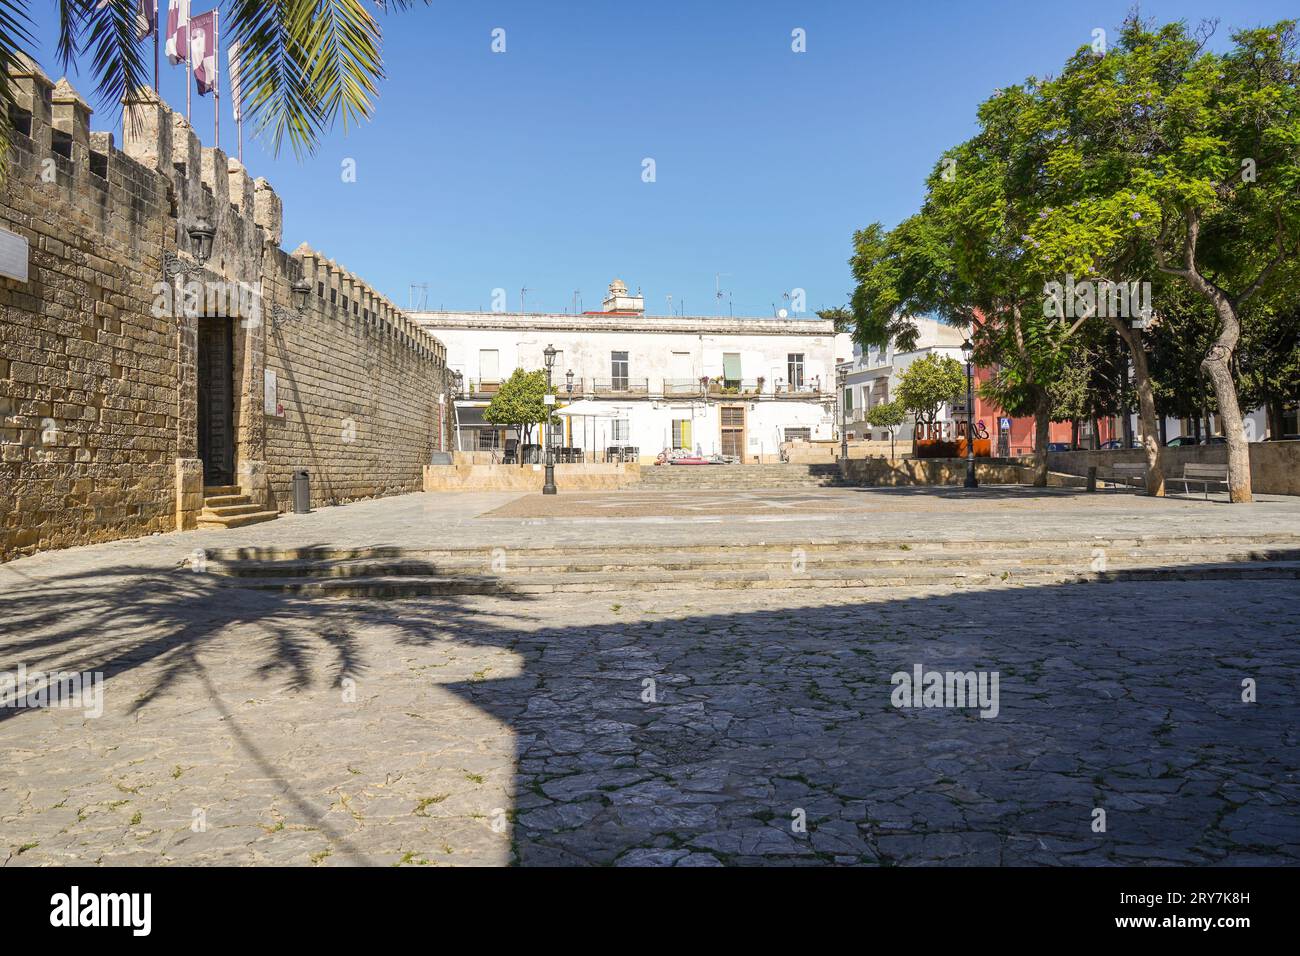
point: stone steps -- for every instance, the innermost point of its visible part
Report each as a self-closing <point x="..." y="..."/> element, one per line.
<point x="705" y="561"/>
<point x="225" y="507"/>
<point x="1202" y="543"/>
<point x="391" y="572"/>
<point x="430" y="585"/>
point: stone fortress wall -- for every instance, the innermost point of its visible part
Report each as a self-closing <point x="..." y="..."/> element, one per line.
<point x="98" y="371"/>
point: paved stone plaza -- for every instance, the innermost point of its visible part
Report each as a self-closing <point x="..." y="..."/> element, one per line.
<point x="244" y="726"/>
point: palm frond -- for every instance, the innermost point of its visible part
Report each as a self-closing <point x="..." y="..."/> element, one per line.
<point x="306" y="63"/>
<point x="117" y="58"/>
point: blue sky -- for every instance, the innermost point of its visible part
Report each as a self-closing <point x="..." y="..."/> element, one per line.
<point x="485" y="170"/>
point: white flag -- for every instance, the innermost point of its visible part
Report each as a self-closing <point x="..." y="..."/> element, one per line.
<point x="236" y="99"/>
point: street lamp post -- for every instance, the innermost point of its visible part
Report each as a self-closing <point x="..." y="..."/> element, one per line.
<point x="548" y="488"/>
<point x="842" y="378"/>
<point x="967" y="351"/>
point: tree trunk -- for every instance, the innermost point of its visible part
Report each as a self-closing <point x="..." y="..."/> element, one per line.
<point x="1153" y="432"/>
<point x="1217" y="367"/>
<point x="1074" y="433"/>
<point x="1042" y="434"/>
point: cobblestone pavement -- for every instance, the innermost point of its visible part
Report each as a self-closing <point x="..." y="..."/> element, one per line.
<point x="253" y="727"/>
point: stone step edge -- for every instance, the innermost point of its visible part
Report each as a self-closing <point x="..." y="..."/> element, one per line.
<point x="362" y="567"/>
<point x="345" y="587"/>
<point x="326" y="552"/>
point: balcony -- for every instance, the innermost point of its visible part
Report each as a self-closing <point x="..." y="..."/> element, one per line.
<point x="683" y="388"/>
<point x="482" y="389"/>
<point x="723" y="388"/>
<point x="620" y="386"/>
<point x="809" y="392"/>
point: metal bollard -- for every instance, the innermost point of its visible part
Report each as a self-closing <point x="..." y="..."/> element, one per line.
<point x="1092" y="478"/>
<point x="301" y="492"/>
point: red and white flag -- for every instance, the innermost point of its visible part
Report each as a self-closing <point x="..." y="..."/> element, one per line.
<point x="178" y="31"/>
<point x="203" y="51"/>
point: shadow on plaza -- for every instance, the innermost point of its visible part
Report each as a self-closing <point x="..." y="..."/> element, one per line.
<point x="1119" y="696"/>
<point x="116" y="619"/>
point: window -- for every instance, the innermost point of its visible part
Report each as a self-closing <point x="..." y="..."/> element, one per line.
<point x="798" y="434"/>
<point x="794" y="370"/>
<point x="848" y="400"/>
<point x="489" y="439"/>
<point x="619" y="430"/>
<point x="618" y="370"/>
<point x="488" y="366"/>
<point x="679" y="367"/>
<point x="731" y="369"/>
<point x="682" y="433"/>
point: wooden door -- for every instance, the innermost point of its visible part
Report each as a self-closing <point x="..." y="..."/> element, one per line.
<point x="216" y="401"/>
<point x="733" y="430"/>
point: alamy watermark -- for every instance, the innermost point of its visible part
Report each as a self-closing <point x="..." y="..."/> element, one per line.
<point x="53" y="689"/>
<point x="953" y="689"/>
<point x="1104" y="299"/>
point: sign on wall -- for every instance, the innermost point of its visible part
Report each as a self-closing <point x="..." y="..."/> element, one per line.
<point x="270" y="396"/>
<point x="14" y="254"/>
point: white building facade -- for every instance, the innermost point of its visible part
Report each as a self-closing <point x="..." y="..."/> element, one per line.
<point x="730" y="386"/>
<point x="873" y="376"/>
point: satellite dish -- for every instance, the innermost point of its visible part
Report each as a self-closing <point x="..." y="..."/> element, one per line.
<point x="782" y="314"/>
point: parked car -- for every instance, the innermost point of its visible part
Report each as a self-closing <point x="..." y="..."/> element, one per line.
<point x="1283" y="438"/>
<point x="1215" y="440"/>
<point x="1058" y="446"/>
<point x="1112" y="444"/>
<point x="1181" y="440"/>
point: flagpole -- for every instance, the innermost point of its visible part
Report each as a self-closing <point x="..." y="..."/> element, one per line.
<point x="156" y="31"/>
<point x="188" y="81"/>
<point x="216" y="77"/>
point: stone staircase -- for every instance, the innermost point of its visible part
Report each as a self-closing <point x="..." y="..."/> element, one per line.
<point x="398" y="573"/>
<point x="738" y="477"/>
<point x="225" y="507"/>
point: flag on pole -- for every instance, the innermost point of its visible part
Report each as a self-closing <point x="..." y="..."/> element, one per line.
<point x="236" y="102"/>
<point x="178" y="31"/>
<point x="203" y="51"/>
<point x="145" y="18"/>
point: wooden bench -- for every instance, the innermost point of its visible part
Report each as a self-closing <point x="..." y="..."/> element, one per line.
<point x="1203" y="475"/>
<point x="1122" y="474"/>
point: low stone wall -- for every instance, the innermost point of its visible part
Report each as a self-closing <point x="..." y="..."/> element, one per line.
<point x="1274" y="465"/>
<point x="890" y="472"/>
<point x="820" y="453"/>
<point x="592" y="476"/>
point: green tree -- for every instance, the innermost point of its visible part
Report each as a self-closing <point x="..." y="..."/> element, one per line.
<point x="888" y="415"/>
<point x="520" y="403"/>
<point x="927" y="384"/>
<point x="304" y="64"/>
<point x="841" y="315"/>
<point x="1189" y="163"/>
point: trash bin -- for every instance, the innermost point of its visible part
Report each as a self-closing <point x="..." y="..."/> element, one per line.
<point x="301" y="493"/>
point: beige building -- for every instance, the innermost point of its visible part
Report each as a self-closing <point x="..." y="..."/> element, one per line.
<point x="163" y="362"/>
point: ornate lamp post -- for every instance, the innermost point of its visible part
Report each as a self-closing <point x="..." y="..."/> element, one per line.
<point x="967" y="352"/>
<point x="842" y="378"/>
<point x="548" y="488"/>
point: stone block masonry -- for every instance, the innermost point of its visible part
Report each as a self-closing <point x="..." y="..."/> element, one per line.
<point x="111" y="394"/>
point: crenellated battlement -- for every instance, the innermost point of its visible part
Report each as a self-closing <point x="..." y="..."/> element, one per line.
<point x="132" y="373"/>
<point x="200" y="183"/>
<point x="346" y="294"/>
